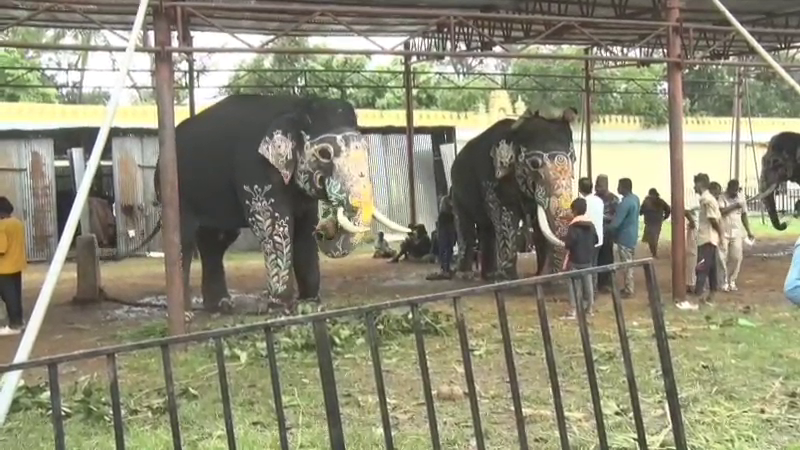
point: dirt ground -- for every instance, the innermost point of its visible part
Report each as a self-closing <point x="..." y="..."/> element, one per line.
<point x="354" y="279"/>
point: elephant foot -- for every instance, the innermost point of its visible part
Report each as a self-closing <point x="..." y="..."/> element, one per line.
<point x="498" y="277"/>
<point x="466" y="275"/>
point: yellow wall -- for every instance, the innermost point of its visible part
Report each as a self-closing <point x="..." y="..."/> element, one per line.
<point x="647" y="164"/>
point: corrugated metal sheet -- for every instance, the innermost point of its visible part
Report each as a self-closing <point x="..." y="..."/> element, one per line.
<point x="448" y="156"/>
<point x="388" y="167"/>
<point x="27" y="178"/>
<point x="134" y="160"/>
<point x="425" y="182"/>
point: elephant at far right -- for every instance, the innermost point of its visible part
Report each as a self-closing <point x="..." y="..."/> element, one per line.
<point x="513" y="169"/>
<point x="781" y="163"/>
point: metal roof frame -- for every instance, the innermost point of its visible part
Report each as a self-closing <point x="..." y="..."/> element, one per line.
<point x="618" y="30"/>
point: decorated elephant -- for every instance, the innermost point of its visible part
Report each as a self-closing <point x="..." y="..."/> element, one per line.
<point x="781" y="163"/>
<point x="267" y="162"/>
<point x="514" y="168"/>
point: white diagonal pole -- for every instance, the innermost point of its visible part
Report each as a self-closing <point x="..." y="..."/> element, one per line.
<point x="756" y="46"/>
<point x="11" y="379"/>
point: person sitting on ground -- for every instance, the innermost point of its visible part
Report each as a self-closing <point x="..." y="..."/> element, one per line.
<point x="655" y="211"/>
<point x="580" y="245"/>
<point x="382" y="248"/>
<point x="415" y="246"/>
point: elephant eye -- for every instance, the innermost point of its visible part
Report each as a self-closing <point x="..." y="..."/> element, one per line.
<point x="324" y="152"/>
<point x="536" y="162"/>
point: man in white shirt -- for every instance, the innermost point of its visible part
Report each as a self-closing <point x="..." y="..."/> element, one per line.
<point x="594" y="209"/>
<point x="691" y="213"/>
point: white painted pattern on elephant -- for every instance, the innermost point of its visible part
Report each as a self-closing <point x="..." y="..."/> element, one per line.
<point x="352" y="168"/>
<point x="272" y="230"/>
<point x="505" y="230"/>
<point x="503" y="158"/>
<point x="279" y="150"/>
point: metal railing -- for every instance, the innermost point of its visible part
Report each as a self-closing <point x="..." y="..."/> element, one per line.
<point x="368" y="313"/>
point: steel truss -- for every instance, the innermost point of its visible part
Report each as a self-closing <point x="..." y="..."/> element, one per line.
<point x="393" y="80"/>
<point x="443" y="33"/>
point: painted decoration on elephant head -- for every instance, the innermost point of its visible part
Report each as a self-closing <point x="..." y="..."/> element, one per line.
<point x="273" y="231"/>
<point x="279" y="151"/>
<point x="503" y="158"/>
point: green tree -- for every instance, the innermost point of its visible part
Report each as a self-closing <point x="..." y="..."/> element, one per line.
<point x="25" y="83"/>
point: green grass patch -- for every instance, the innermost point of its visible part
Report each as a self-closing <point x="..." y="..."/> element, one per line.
<point x="737" y="370"/>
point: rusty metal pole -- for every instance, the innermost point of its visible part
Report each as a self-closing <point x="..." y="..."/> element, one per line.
<point x="737" y="125"/>
<point x="675" y="100"/>
<point x="185" y="39"/>
<point x="168" y="161"/>
<point x="587" y="110"/>
<point x="408" y="86"/>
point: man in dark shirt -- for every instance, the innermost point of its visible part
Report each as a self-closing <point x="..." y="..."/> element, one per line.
<point x="445" y="239"/>
<point x="580" y="241"/>
<point x="606" y="254"/>
<point x="655" y="211"/>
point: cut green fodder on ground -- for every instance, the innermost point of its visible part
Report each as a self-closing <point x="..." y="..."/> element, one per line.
<point x="738" y="374"/>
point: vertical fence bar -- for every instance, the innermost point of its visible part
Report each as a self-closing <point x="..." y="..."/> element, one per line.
<point x="380" y="387"/>
<point x="511" y="366"/>
<point x="627" y="359"/>
<point x="552" y="370"/>
<point x="328" y="381"/>
<point x="466" y="358"/>
<point x="275" y="378"/>
<point x="667" y="371"/>
<point x="225" y="394"/>
<point x="172" y="404"/>
<point x="55" y="407"/>
<point x="588" y="357"/>
<point x="426" y="378"/>
<point x="116" y="404"/>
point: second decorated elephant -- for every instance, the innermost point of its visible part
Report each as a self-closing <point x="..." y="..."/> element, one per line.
<point x="515" y="167"/>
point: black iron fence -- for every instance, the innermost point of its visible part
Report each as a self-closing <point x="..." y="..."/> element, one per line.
<point x="785" y="200"/>
<point x="325" y="363"/>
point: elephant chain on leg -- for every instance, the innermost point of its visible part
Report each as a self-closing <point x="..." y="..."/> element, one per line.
<point x="506" y="228"/>
<point x="465" y="241"/>
<point x="273" y="231"/>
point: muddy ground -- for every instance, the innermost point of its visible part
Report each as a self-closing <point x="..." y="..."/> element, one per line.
<point x="355" y="279"/>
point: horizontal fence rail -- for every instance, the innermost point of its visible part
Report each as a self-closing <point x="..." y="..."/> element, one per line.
<point x="367" y="314"/>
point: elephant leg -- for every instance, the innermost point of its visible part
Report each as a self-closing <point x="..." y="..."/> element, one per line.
<point x="543" y="249"/>
<point x="305" y="256"/>
<point x="272" y="222"/>
<point x="465" y="240"/>
<point x="189" y="228"/>
<point x="212" y="244"/>
<point x="506" y="229"/>
<point x="488" y="257"/>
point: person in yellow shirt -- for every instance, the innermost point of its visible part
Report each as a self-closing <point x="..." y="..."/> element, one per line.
<point x="13" y="260"/>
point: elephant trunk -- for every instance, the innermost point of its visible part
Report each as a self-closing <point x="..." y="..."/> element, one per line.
<point x="772" y="210"/>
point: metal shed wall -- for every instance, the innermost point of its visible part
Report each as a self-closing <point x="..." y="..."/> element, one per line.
<point x="27" y="178"/>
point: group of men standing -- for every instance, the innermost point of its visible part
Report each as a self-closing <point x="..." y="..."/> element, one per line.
<point x="715" y="235"/>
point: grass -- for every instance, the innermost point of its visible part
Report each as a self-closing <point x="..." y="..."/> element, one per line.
<point x="739" y="383"/>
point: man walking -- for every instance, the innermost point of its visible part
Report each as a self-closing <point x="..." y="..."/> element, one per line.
<point x="735" y="226"/>
<point x="625" y="228"/>
<point x="709" y="231"/>
<point x="605" y="253"/>
<point x="655" y="211"/>
<point x="13" y="260"/>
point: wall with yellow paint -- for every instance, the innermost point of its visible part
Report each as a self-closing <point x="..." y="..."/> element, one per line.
<point x="622" y="145"/>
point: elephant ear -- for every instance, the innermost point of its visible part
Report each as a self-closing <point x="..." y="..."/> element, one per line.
<point x="278" y="147"/>
<point x="503" y="156"/>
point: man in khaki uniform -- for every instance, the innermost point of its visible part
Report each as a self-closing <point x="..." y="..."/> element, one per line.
<point x="709" y="232"/>
<point x="735" y="227"/>
<point x="691" y="213"/>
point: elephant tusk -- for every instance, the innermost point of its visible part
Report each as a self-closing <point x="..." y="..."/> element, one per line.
<point x="388" y="223"/>
<point x="761" y="195"/>
<point x="348" y="226"/>
<point x="541" y="216"/>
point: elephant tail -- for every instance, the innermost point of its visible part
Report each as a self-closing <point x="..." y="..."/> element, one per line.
<point x="141" y="245"/>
